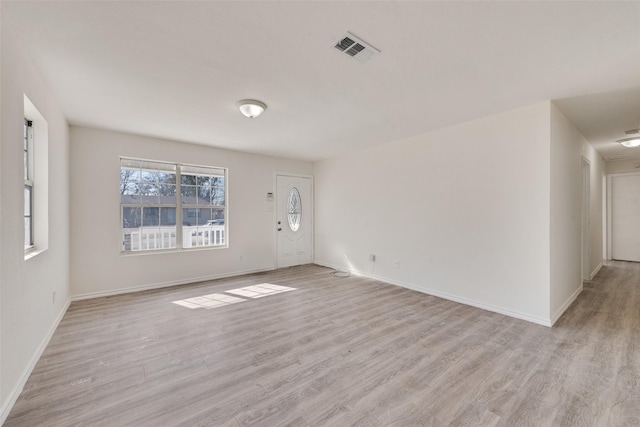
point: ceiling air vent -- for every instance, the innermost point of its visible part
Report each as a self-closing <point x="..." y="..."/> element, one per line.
<point x="359" y="50"/>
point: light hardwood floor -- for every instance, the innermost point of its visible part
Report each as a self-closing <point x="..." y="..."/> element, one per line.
<point x="338" y="352"/>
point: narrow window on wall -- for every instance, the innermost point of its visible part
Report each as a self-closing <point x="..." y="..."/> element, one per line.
<point x="169" y="206"/>
<point x="28" y="184"/>
<point x="35" y="146"/>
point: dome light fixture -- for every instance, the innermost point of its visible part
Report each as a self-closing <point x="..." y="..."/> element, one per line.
<point x="251" y="108"/>
<point x="630" y="142"/>
<point x="632" y="139"/>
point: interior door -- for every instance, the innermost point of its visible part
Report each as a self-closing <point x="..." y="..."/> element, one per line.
<point x="625" y="217"/>
<point x="294" y="220"/>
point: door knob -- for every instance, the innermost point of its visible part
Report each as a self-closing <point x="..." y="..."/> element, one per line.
<point x="279" y="229"/>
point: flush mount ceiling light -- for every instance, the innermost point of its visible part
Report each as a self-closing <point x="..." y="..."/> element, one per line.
<point x="251" y="108"/>
<point x="631" y="141"/>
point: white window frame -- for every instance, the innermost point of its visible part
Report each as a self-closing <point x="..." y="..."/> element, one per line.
<point x="29" y="183"/>
<point x="38" y="178"/>
<point x="178" y="206"/>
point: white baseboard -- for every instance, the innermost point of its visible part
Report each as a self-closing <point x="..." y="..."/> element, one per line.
<point x="166" y="284"/>
<point x="15" y="393"/>
<point x="595" y="271"/>
<point x="444" y="295"/>
<point x="566" y="305"/>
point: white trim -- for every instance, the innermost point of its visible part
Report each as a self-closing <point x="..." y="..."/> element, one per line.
<point x="585" y="221"/>
<point x="623" y="174"/>
<point x="15" y="393"/>
<point x="166" y="284"/>
<point x="595" y="271"/>
<point x="32" y="252"/>
<point x="447" y="296"/>
<point x="608" y="255"/>
<point x="566" y="305"/>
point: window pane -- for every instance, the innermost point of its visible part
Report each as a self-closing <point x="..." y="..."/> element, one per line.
<point x="148" y="199"/>
<point x="131" y="217"/>
<point x="218" y="216"/>
<point x="208" y="229"/>
<point x="27" y="232"/>
<point x="26" y="165"/>
<point x="166" y="178"/>
<point x="149" y="188"/>
<point x="203" y="180"/>
<point x="189" y="194"/>
<point x="167" y="216"/>
<point x="167" y="194"/>
<point x="189" y="228"/>
<point x="218" y="196"/>
<point x="204" y="215"/>
<point x="188" y="179"/>
<point x="294" y="208"/>
<point x="149" y="177"/>
<point x="204" y="195"/>
<point x="189" y="217"/>
<point x="166" y="238"/>
<point x="150" y="217"/>
<point x="129" y="181"/>
<point x="218" y="181"/>
<point x="27" y="200"/>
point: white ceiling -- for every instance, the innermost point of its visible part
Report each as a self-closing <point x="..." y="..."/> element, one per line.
<point x="604" y="117"/>
<point x="176" y="69"/>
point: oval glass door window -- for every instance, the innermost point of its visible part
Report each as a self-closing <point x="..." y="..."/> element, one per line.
<point x="294" y="209"/>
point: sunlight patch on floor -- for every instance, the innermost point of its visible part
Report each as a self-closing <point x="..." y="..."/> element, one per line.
<point x="261" y="290"/>
<point x="219" y="300"/>
<point x="208" y="301"/>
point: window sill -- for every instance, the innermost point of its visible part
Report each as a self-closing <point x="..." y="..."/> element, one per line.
<point x="172" y="251"/>
<point x="32" y="252"/>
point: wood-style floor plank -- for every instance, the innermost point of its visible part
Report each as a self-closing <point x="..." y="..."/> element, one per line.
<point x="338" y="352"/>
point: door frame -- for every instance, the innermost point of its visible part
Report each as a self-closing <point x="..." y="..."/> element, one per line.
<point x="610" y="177"/>
<point x="586" y="219"/>
<point x="275" y="213"/>
<point x="605" y="218"/>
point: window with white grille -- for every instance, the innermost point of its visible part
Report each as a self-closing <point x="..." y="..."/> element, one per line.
<point x="171" y="206"/>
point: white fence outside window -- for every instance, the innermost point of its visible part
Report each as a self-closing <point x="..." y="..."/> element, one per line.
<point x="153" y="238"/>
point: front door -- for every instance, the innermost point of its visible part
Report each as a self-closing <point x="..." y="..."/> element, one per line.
<point x="294" y="220"/>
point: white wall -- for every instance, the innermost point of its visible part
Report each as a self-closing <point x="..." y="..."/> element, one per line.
<point x="97" y="266"/>
<point x="566" y="212"/>
<point x="465" y="210"/>
<point x="28" y="312"/>
<point x="623" y="166"/>
<point x="598" y="169"/>
<point x="568" y="148"/>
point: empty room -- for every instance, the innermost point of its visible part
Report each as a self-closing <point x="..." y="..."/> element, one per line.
<point x="319" y="213"/>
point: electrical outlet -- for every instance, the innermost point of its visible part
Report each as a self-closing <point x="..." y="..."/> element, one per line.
<point x="372" y="257"/>
<point x="396" y="264"/>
